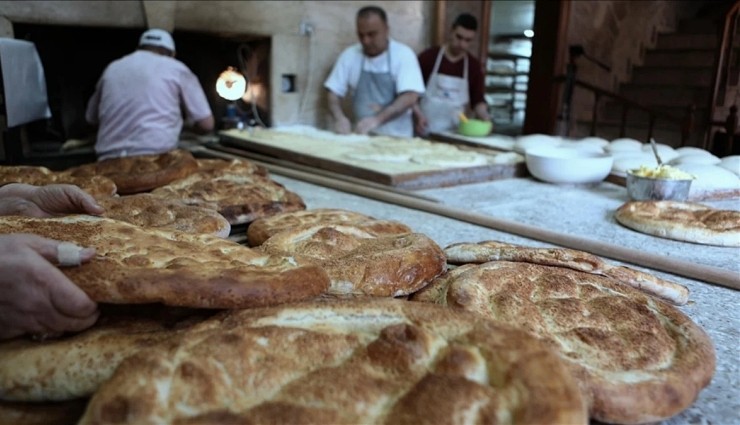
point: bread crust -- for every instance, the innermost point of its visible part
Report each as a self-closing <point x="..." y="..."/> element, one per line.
<point x="239" y="190"/>
<point x="485" y="251"/>
<point x="147" y="210"/>
<point x="73" y="366"/>
<point x="358" y="263"/>
<point x="97" y="186"/>
<point x="682" y="221"/>
<point x="637" y="359"/>
<point x="138" y="265"/>
<point x="141" y="173"/>
<point x="262" y="229"/>
<point x="364" y="361"/>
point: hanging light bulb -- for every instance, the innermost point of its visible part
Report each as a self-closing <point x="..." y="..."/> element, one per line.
<point x="231" y="85"/>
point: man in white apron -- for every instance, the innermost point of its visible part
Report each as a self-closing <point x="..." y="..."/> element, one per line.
<point x="455" y="81"/>
<point x="383" y="77"/>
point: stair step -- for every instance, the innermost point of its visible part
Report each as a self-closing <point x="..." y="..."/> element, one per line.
<point x="680" y="58"/>
<point x="664" y="76"/>
<point x="613" y="110"/>
<point x="613" y="113"/>
<point x="648" y="95"/>
<point x="674" y="41"/>
<point x="698" y="26"/>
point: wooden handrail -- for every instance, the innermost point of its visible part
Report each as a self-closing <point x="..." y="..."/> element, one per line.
<point x="721" y="76"/>
<point x="685" y="123"/>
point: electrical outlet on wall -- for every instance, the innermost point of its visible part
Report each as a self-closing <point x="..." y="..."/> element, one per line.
<point x="306" y="28"/>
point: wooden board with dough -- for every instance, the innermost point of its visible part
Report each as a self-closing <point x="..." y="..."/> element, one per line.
<point x="409" y="163"/>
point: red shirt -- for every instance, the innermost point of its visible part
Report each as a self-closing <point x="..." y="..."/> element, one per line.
<point x="428" y="57"/>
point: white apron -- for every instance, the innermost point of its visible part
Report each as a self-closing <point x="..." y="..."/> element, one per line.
<point x="445" y="98"/>
<point x="375" y="91"/>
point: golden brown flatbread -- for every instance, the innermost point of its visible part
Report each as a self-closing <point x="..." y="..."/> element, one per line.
<point x="682" y="221"/>
<point x="485" y="251"/>
<point x="637" y="359"/>
<point x="262" y="229"/>
<point x="141" y="173"/>
<point x="138" y="265"/>
<point x="97" y="186"/>
<point x="147" y="210"/>
<point x="358" y="263"/>
<point x="367" y="361"/>
<point x="238" y="190"/>
<point x="74" y="366"/>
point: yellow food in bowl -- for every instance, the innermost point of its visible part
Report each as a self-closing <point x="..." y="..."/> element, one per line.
<point x="665" y="172"/>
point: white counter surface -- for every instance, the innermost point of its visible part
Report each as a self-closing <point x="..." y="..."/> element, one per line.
<point x="585" y="212"/>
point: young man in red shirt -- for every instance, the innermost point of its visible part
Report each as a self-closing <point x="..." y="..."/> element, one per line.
<point x="454" y="81"/>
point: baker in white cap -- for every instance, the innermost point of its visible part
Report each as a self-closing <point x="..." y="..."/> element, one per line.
<point x="139" y="100"/>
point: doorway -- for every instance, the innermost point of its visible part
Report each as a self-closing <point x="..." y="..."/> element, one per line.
<point x="511" y="33"/>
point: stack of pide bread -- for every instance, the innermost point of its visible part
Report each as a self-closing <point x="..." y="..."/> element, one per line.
<point x="334" y="317"/>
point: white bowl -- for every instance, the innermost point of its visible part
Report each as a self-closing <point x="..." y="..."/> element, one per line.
<point x="564" y="165"/>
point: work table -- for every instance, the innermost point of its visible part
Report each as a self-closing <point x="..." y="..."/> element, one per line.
<point x="583" y="211"/>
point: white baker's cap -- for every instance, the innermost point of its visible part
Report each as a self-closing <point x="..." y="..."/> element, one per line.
<point x="157" y="37"/>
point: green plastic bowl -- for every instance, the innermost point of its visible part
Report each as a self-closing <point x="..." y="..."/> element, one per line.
<point x="475" y="128"/>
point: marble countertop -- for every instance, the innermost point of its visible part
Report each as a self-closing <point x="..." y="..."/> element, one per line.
<point x="585" y="211"/>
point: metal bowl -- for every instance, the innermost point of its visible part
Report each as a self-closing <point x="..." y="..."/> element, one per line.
<point x="648" y="188"/>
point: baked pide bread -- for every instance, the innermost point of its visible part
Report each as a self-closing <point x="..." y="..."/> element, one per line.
<point x="147" y="210"/>
<point x="220" y="167"/>
<point x="73" y="366"/>
<point x="141" y="173"/>
<point x="239" y="190"/>
<point x="485" y="251"/>
<point x="358" y="263"/>
<point x="137" y="265"/>
<point x="263" y="228"/>
<point x="682" y="221"/>
<point x="365" y="361"/>
<point x="637" y="359"/>
<point x="46" y="413"/>
<point x="97" y="186"/>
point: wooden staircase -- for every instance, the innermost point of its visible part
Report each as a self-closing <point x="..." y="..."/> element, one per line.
<point x="677" y="73"/>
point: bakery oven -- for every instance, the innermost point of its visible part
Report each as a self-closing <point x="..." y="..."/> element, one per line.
<point x="74" y="57"/>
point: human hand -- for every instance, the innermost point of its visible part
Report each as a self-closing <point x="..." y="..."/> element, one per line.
<point x="35" y="296"/>
<point x="367" y="125"/>
<point x="343" y="126"/>
<point x="421" y="125"/>
<point x="46" y="201"/>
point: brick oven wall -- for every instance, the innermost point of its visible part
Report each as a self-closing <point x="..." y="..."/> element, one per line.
<point x="309" y="58"/>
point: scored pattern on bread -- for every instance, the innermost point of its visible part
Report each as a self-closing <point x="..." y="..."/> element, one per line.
<point x="485" y="251"/>
<point x="637" y="359"/>
<point x="682" y="221"/>
<point x="358" y="263"/>
<point x="141" y="173"/>
<point x="97" y="186"/>
<point x="74" y="366"/>
<point x="239" y="190"/>
<point x="147" y="210"/>
<point x="369" y="361"/>
<point x="138" y="265"/>
<point x="262" y="229"/>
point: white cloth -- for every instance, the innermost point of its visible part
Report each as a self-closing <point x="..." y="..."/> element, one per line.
<point x="23" y="82"/>
<point x="137" y="104"/>
<point x="404" y="68"/>
<point x="445" y="99"/>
